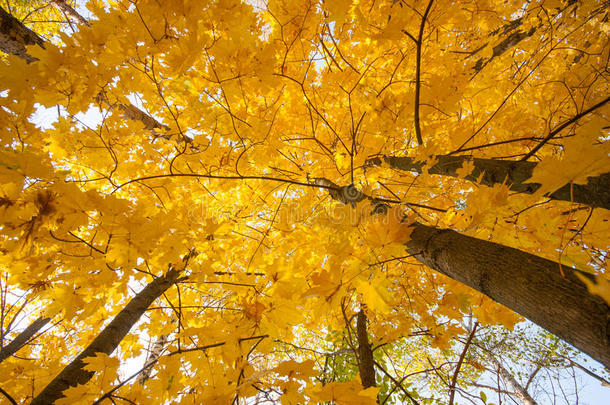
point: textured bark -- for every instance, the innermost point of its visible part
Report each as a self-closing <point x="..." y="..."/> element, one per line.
<point x="596" y="193"/>
<point x="21" y="339"/>
<point x="135" y="114"/>
<point x="152" y="358"/>
<point x="516" y="35"/>
<point x="108" y="339"/>
<point x="69" y="11"/>
<point x="14" y="37"/>
<point x="507" y="43"/>
<point x="527" y="284"/>
<point x="510" y="381"/>
<point x="366" y="363"/>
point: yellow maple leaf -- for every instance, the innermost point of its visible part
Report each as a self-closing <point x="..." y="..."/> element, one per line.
<point x="347" y="393"/>
<point x="387" y="230"/>
<point x="101" y="362"/>
<point x="601" y="286"/>
<point x="295" y="369"/>
<point x="374" y="295"/>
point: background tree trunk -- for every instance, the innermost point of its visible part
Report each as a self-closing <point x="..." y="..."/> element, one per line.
<point x="108" y="339"/>
<point x="22" y="338"/>
<point x="152" y="358"/>
<point x="69" y="11"/>
<point x="509" y="380"/>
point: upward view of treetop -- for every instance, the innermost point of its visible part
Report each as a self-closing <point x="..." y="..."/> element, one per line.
<point x="297" y="201"/>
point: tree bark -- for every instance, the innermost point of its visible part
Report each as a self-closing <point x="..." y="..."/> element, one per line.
<point x="527" y="284"/>
<point x="596" y="193"/>
<point x="108" y="339"/>
<point x="152" y="358"/>
<point x="512" y="35"/>
<point x="24" y="337"/>
<point x="510" y="381"/>
<point x="69" y="11"/>
<point x="366" y="363"/>
<point x="14" y="37"/>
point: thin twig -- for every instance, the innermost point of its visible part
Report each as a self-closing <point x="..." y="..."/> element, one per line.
<point x="562" y="126"/>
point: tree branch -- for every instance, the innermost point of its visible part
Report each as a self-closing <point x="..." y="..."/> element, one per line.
<point x="418" y="73"/>
<point x="562" y="126"/>
<point x="459" y="364"/>
<point x="489" y="172"/>
<point x="68" y="10"/>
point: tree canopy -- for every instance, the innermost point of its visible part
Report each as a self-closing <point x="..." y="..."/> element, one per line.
<point x="232" y="195"/>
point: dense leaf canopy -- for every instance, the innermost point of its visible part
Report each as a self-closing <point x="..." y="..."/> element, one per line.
<point x="249" y="150"/>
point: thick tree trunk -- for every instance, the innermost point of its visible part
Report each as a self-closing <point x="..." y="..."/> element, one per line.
<point x="366" y="362"/>
<point x="596" y="193"/>
<point x="14" y="37"/>
<point x="527" y="284"/>
<point x="22" y="339"/>
<point x="108" y="339"/>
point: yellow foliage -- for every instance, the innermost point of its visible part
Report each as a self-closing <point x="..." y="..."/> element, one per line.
<point x="218" y="140"/>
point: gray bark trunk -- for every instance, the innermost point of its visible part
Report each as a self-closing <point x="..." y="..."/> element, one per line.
<point x="108" y="339"/>
<point x="510" y="381"/>
<point x="14" y="37"/>
<point x="527" y="284"/>
<point x="22" y="339"/>
<point x="69" y="11"/>
<point x="152" y="358"/>
<point x="596" y="193"/>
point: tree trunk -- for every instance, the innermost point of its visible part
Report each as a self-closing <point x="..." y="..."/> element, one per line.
<point x="510" y="381"/>
<point x="24" y="337"/>
<point x="596" y="193"/>
<point x="108" y="339"/>
<point x="366" y="363"/>
<point x="527" y="284"/>
<point x="14" y="37"/>
<point x="65" y="8"/>
<point x="152" y="358"/>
